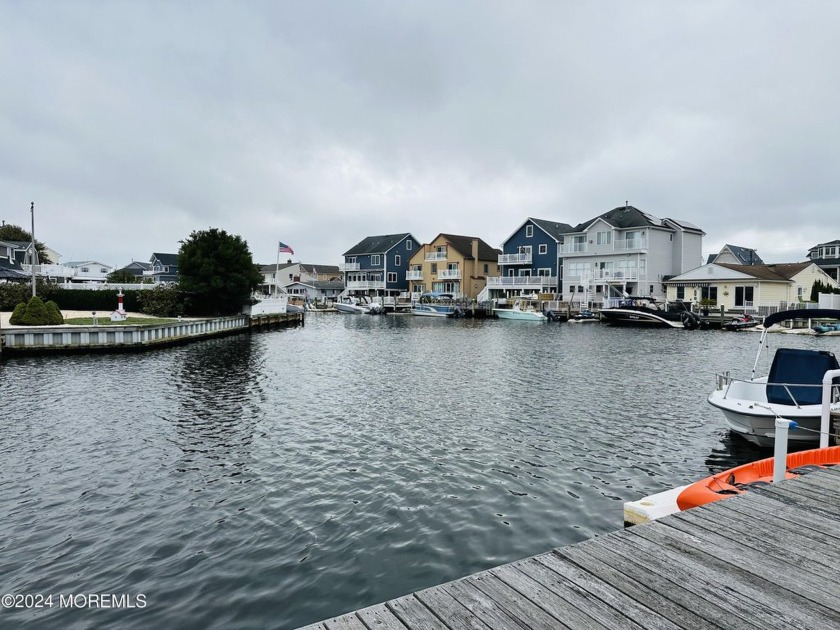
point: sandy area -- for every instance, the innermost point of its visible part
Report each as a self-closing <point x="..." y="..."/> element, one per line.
<point x="5" y="315"/>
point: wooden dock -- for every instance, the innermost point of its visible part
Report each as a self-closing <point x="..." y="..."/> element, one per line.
<point x="765" y="559"/>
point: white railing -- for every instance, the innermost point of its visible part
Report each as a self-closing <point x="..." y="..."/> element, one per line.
<point x="631" y="243"/>
<point x="105" y="286"/>
<point x="349" y="266"/>
<point x="515" y="259"/>
<point x="521" y="281"/>
<point x="433" y="256"/>
<point x="364" y="284"/>
<point x="413" y="275"/>
<point x="449" y="274"/>
<point x="573" y="248"/>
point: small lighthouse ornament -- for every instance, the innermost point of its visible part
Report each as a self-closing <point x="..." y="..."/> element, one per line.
<point x="119" y="315"/>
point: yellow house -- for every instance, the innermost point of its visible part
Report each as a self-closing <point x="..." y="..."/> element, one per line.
<point x="749" y="288"/>
<point x="453" y="264"/>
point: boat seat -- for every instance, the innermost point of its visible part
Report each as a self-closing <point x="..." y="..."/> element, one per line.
<point x="806" y="369"/>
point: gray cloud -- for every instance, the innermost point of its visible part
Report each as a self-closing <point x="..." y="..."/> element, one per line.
<point x="319" y="123"/>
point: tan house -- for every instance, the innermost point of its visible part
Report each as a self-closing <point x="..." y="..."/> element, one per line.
<point x="758" y="289"/>
<point x="453" y="264"/>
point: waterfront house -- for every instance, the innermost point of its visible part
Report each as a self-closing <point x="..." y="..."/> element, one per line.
<point x="755" y="289"/>
<point x="827" y="257"/>
<point x="458" y="265"/>
<point x="87" y="271"/>
<point x="164" y="267"/>
<point x="530" y="260"/>
<point x="10" y="266"/>
<point x="138" y="269"/>
<point x="376" y="266"/>
<point x="626" y="252"/>
<point x="735" y="255"/>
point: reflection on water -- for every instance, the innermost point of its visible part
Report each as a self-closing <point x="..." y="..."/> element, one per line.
<point x="281" y="478"/>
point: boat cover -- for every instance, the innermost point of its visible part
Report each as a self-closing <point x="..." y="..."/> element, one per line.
<point x="802" y="313"/>
<point x="803" y="367"/>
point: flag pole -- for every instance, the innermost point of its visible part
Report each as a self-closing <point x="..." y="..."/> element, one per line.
<point x="277" y="270"/>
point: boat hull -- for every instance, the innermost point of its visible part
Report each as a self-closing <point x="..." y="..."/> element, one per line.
<point x="525" y="316"/>
<point x="631" y="317"/>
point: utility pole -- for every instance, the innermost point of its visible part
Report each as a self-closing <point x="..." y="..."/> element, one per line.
<point x="34" y="259"/>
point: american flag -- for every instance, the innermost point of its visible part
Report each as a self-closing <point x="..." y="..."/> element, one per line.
<point x="285" y="248"/>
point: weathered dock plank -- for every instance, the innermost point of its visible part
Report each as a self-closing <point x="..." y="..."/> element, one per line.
<point x="766" y="559"/>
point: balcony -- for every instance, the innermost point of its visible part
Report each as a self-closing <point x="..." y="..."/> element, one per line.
<point x="435" y="256"/>
<point x="631" y="244"/>
<point x="413" y="275"/>
<point x="515" y="259"/>
<point x="349" y="266"/>
<point x="522" y="282"/>
<point x="364" y="285"/>
<point x="574" y="248"/>
<point x="449" y="274"/>
<point x="605" y="275"/>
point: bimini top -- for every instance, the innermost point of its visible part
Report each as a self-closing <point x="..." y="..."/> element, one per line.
<point x="801" y="313"/>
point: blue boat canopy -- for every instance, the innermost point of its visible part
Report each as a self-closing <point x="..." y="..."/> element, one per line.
<point x="801" y="313"/>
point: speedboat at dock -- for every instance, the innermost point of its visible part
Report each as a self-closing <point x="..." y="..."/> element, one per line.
<point x="792" y="389"/>
<point x="523" y="310"/>
<point x="647" y="312"/>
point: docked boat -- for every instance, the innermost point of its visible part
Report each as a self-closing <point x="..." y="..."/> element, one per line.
<point x="435" y="305"/>
<point x="584" y="316"/>
<point x="742" y="323"/>
<point x="726" y="484"/>
<point x="523" y="310"/>
<point x="647" y="312"/>
<point x="357" y="305"/>
<point x="792" y="389"/>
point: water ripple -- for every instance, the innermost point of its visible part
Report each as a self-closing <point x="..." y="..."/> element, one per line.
<point x="281" y="478"/>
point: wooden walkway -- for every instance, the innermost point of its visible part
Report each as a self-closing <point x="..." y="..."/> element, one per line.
<point x="765" y="559"/>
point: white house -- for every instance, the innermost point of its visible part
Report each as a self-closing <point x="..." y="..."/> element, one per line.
<point x="627" y="251"/>
<point x="761" y="289"/>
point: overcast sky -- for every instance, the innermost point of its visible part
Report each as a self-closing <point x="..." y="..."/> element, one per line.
<point x="132" y="124"/>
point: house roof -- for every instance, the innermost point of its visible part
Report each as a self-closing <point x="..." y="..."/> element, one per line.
<point x="777" y="272"/>
<point x="746" y="255"/>
<point x="555" y="229"/>
<point x="322" y="269"/>
<point x="165" y="259"/>
<point x="625" y="217"/>
<point x="463" y="245"/>
<point x="377" y="244"/>
<point x="80" y="263"/>
<point x="137" y="264"/>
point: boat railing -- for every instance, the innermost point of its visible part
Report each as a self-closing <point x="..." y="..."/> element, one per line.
<point x="744" y="386"/>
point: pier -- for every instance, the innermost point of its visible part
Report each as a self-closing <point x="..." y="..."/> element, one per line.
<point x="28" y="340"/>
<point x="764" y="559"/>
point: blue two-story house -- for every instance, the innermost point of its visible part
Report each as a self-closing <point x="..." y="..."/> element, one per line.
<point x="530" y="260"/>
<point x="164" y="267"/>
<point x="377" y="265"/>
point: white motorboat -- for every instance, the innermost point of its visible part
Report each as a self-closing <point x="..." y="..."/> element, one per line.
<point x="357" y="305"/>
<point x="792" y="389"/>
<point x="522" y="309"/>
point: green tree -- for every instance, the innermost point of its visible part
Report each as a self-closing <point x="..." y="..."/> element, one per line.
<point x="55" y="314"/>
<point x="36" y="313"/>
<point x="11" y="232"/>
<point x="216" y="272"/>
<point x="121" y="276"/>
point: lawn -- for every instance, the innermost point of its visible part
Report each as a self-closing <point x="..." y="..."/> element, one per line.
<point x="130" y="321"/>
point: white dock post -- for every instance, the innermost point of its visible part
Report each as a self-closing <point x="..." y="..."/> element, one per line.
<point x="780" y="448"/>
<point x="825" y="417"/>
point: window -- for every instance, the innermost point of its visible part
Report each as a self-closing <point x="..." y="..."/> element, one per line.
<point x="544" y="272"/>
<point x="680" y="293"/>
<point x="409" y="245"/>
<point x="375" y="260"/>
<point x="486" y="268"/>
<point x="103" y="270"/>
<point x="603" y="238"/>
<point x="397" y="260"/>
<point x="599" y="288"/>
<point x="392" y="276"/>
<point x="351" y="259"/>
<point x="434" y="267"/>
<point x="524" y="273"/>
<point x="543" y="249"/>
<point x="529" y="231"/>
<point x="85" y="269"/>
<point x="743" y="296"/>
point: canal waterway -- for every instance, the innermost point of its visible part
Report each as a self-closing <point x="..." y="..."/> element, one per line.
<point x="280" y="478"/>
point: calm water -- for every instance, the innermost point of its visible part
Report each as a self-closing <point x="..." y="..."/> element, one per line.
<point x="277" y="479"/>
